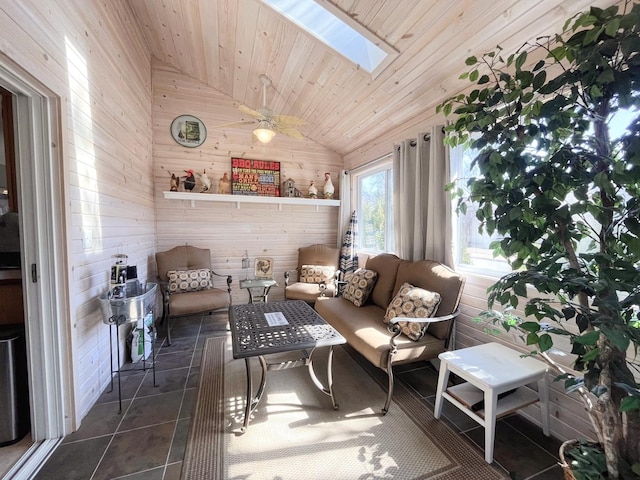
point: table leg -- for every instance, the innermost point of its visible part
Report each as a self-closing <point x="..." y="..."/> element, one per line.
<point x="328" y="390"/>
<point x="252" y="403"/>
<point x="490" y="407"/>
<point x="443" y="380"/>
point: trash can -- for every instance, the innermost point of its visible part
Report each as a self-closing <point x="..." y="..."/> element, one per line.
<point x="14" y="388"/>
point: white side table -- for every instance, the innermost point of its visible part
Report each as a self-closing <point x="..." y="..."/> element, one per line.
<point x="491" y="370"/>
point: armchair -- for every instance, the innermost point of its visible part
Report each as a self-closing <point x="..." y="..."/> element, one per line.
<point x="186" y="281"/>
<point x="317" y="272"/>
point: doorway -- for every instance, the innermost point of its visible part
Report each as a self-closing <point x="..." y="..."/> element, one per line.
<point x="36" y="117"/>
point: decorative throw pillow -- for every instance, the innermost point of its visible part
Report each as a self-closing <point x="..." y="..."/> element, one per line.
<point x="359" y="286"/>
<point x="412" y="302"/>
<point x="317" y="273"/>
<point x="181" y="281"/>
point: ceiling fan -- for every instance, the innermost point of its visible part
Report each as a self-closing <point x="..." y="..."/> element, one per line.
<point x="268" y="123"/>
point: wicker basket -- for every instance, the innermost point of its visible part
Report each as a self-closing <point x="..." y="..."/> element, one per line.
<point x="566" y="468"/>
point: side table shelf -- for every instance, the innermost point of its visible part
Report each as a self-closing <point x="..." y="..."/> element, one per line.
<point x="139" y="302"/>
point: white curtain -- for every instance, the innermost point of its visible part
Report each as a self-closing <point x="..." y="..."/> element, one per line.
<point x="344" y="214"/>
<point x="422" y="206"/>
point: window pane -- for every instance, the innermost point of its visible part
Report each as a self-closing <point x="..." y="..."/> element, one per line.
<point x="471" y="248"/>
<point x="373" y="207"/>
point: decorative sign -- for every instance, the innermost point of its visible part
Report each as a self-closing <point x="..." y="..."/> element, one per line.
<point x="255" y="177"/>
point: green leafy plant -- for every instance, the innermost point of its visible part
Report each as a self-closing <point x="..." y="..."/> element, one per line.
<point x="587" y="461"/>
<point x="565" y="197"/>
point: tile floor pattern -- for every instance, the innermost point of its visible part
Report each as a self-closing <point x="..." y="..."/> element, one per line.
<point x="147" y="440"/>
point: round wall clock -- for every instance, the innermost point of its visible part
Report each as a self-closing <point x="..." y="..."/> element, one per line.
<point x="188" y="131"/>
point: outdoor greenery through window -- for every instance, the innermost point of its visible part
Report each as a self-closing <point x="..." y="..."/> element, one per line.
<point x="374" y="204"/>
<point x="473" y="250"/>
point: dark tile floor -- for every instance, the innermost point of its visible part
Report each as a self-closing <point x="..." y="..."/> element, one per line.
<point x="147" y="440"/>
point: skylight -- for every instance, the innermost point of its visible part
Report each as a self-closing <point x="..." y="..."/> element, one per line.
<point x="338" y="30"/>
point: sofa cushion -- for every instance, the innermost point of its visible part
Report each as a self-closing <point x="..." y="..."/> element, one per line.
<point x="359" y="286"/>
<point x="365" y="331"/>
<point x="386" y="265"/>
<point x="412" y="302"/>
<point x="317" y="273"/>
<point x="181" y="281"/>
<point x="435" y="277"/>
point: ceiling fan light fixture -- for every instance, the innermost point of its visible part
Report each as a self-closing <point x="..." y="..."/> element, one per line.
<point x="264" y="132"/>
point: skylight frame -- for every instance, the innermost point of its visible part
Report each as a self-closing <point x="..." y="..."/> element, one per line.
<point x="355" y="28"/>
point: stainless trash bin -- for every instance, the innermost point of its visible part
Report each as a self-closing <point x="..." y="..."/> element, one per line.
<point x="14" y="388"/>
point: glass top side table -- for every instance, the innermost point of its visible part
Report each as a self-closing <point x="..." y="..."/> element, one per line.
<point x="258" y="288"/>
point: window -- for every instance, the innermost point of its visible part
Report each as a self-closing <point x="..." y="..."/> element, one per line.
<point x="470" y="247"/>
<point x="338" y="30"/>
<point x="373" y="189"/>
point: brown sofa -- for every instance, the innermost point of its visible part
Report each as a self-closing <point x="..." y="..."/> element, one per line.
<point x="384" y="345"/>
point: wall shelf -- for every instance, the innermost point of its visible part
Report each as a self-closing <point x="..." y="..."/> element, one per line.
<point x="240" y="199"/>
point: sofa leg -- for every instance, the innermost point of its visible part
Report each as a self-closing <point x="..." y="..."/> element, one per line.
<point x="390" y="391"/>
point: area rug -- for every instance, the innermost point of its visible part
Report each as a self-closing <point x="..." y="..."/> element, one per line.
<point x="295" y="434"/>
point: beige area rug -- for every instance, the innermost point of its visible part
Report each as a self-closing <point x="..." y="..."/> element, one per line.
<point x="295" y="434"/>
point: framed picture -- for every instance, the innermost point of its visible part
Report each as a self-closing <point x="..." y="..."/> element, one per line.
<point x="263" y="267"/>
<point x="188" y="131"/>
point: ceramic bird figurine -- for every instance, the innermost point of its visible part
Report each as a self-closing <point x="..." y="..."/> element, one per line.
<point x="313" y="191"/>
<point x="189" y="181"/>
<point x="174" y="183"/>
<point x="328" y="186"/>
<point x="224" y="185"/>
<point x="205" y="180"/>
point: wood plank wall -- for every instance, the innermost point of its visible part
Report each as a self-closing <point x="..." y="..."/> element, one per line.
<point x="91" y="55"/>
<point x="228" y="230"/>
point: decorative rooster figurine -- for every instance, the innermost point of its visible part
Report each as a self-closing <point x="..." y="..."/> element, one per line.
<point x="224" y="185"/>
<point x="205" y="180"/>
<point x="328" y="186"/>
<point x="189" y="181"/>
<point x="174" y="183"/>
<point x="313" y="191"/>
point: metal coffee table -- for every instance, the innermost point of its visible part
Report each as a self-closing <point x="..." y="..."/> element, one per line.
<point x="259" y="329"/>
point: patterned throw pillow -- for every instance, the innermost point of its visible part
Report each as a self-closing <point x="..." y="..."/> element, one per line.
<point x="359" y="286"/>
<point x="413" y="302"/>
<point x="317" y="273"/>
<point x="181" y="281"/>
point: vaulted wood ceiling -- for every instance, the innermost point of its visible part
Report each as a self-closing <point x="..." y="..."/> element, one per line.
<point x="228" y="44"/>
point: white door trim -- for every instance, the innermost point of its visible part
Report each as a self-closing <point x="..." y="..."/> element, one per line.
<point x="43" y="242"/>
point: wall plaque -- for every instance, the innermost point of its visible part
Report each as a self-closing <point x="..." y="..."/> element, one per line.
<point x="255" y="177"/>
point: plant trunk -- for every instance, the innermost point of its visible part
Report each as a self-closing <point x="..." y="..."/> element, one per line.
<point x="607" y="410"/>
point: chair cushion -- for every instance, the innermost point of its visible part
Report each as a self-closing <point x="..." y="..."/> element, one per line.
<point x="181" y="281"/>
<point x="412" y="302"/>
<point x="359" y="286"/>
<point x="195" y="302"/>
<point x="308" y="292"/>
<point x="317" y="273"/>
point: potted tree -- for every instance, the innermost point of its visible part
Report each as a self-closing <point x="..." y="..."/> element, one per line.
<point x="564" y="194"/>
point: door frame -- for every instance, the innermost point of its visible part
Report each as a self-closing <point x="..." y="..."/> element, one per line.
<point x="41" y="193"/>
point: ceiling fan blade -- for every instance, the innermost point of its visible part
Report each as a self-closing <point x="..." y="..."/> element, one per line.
<point x="251" y="112"/>
<point x="289" y="132"/>
<point x="286" y="120"/>
<point x="234" y="124"/>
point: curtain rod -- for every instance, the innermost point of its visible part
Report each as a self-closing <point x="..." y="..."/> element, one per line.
<point x="366" y="164"/>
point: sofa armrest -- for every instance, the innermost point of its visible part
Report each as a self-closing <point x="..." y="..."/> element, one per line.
<point x="395" y="329"/>
<point x="425" y="320"/>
